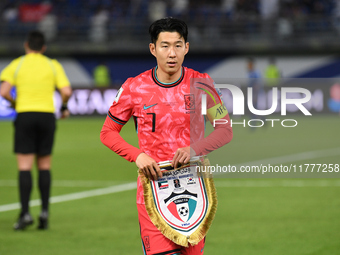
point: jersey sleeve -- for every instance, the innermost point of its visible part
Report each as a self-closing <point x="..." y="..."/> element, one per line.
<point x="60" y="75"/>
<point x="122" y="107"/>
<point x="111" y="138"/>
<point x="218" y="116"/>
<point x="118" y="115"/>
<point x="215" y="106"/>
<point x="221" y="135"/>
<point x="8" y="73"/>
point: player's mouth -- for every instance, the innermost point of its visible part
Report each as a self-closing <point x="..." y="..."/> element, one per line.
<point x="171" y="63"/>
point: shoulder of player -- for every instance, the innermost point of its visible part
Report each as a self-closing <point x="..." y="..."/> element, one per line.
<point x="52" y="60"/>
<point x="13" y="64"/>
<point x="17" y="60"/>
<point x="195" y="74"/>
<point x="131" y="82"/>
<point x="55" y="64"/>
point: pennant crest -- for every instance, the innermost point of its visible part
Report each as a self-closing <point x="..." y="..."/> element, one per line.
<point x="182" y="203"/>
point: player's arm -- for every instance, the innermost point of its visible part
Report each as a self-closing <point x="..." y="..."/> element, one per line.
<point x="111" y="138"/>
<point x="218" y="116"/>
<point x="221" y="135"/>
<point x="63" y="86"/>
<point x="5" y="92"/>
<point x="66" y="93"/>
<point x="148" y="166"/>
<point x="119" y="112"/>
<point x="7" y="78"/>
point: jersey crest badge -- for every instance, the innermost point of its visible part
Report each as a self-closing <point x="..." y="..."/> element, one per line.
<point x="189" y="100"/>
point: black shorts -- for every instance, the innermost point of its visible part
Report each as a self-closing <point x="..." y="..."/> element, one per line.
<point x="34" y="133"/>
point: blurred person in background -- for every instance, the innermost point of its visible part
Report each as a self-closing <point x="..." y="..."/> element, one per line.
<point x="272" y="73"/>
<point x="101" y="75"/>
<point x="35" y="78"/>
<point x="255" y="82"/>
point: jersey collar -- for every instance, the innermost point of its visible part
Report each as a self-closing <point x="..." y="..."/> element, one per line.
<point x="166" y="85"/>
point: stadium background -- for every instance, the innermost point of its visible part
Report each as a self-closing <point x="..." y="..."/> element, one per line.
<point x="93" y="208"/>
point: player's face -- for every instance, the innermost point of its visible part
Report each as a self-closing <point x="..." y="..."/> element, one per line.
<point x="169" y="50"/>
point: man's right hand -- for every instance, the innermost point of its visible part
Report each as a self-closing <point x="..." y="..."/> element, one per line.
<point x="148" y="166"/>
<point x="65" y="114"/>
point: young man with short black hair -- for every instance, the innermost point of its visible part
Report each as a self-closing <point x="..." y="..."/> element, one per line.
<point x="158" y="101"/>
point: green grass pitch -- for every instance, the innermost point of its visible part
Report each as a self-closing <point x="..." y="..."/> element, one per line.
<point x="255" y="215"/>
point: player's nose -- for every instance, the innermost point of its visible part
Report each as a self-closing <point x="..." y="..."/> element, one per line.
<point x="172" y="52"/>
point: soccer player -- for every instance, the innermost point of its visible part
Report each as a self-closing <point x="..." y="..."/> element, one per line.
<point x="35" y="77"/>
<point x="272" y="73"/>
<point x="159" y="101"/>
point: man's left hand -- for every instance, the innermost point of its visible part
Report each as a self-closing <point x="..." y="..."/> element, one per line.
<point x="182" y="156"/>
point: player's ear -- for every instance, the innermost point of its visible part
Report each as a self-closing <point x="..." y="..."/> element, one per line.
<point x="43" y="49"/>
<point x="186" y="48"/>
<point x="26" y="46"/>
<point x="152" y="48"/>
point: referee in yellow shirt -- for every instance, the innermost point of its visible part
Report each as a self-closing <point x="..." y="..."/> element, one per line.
<point x="35" y="77"/>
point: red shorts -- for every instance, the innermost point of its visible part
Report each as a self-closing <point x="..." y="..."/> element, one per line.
<point x="154" y="242"/>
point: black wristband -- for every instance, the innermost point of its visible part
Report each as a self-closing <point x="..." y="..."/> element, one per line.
<point x="63" y="107"/>
<point x="12" y="104"/>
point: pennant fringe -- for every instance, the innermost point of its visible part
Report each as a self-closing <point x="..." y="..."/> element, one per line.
<point x="160" y="223"/>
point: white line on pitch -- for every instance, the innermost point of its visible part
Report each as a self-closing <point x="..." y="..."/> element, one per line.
<point x="291" y="158"/>
<point x="282" y="183"/>
<point x="130" y="186"/>
<point x="66" y="183"/>
<point x="75" y="196"/>
<point x="274" y="160"/>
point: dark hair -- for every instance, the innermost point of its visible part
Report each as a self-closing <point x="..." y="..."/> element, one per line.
<point x="35" y="40"/>
<point x="168" y="24"/>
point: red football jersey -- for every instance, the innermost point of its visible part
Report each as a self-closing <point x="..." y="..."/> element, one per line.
<point x="161" y="111"/>
<point x="167" y="116"/>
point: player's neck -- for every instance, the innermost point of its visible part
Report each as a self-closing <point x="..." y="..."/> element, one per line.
<point x="164" y="77"/>
<point x="33" y="51"/>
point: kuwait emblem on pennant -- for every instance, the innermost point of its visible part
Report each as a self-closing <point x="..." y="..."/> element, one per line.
<point x="181" y="204"/>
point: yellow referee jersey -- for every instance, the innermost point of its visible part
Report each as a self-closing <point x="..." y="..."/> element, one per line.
<point x="35" y="77"/>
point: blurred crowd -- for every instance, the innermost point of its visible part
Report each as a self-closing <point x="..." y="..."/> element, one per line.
<point x="83" y="11"/>
<point x="96" y="15"/>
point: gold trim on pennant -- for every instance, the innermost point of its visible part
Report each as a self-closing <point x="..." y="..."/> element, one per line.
<point x="160" y="223"/>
